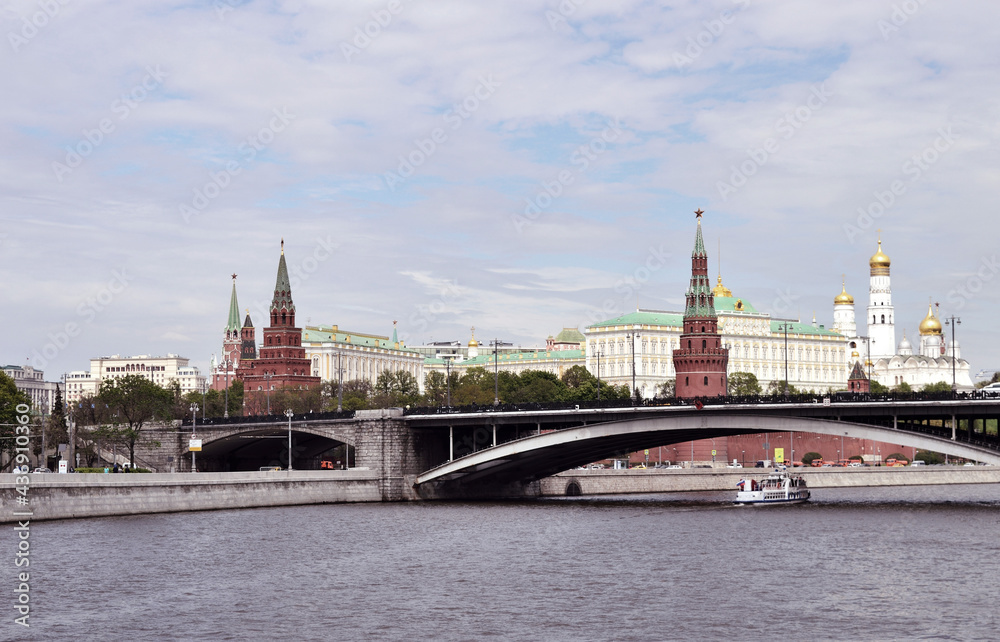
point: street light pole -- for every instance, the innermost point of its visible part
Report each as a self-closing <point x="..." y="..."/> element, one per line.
<point x="598" y="373"/>
<point x="447" y="378"/>
<point x="289" y="413"/>
<point x="267" y="390"/>
<point x="632" y="337"/>
<point x="194" y="422"/>
<point x="340" y="384"/>
<point x="784" y="326"/>
<point x="229" y="363"/>
<point x="954" y="382"/>
<point x="496" y="371"/>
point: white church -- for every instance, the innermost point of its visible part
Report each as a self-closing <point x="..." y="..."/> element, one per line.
<point x="891" y="364"/>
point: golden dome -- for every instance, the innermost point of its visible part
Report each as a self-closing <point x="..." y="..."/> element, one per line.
<point x="721" y="290"/>
<point x="472" y="342"/>
<point x="843" y="297"/>
<point x="930" y="324"/>
<point x="879" y="259"/>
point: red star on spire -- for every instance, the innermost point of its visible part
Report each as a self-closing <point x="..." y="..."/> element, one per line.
<point x="698" y="213"/>
<point x="234" y="276"/>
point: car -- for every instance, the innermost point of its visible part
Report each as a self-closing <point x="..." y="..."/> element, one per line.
<point x="269" y="468"/>
<point x="968" y="463"/>
<point x="856" y="464"/>
<point x="674" y="466"/>
<point x="41" y="469"/>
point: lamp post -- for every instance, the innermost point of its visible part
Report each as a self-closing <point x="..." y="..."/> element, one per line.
<point x="340" y="384"/>
<point x="229" y="364"/>
<point x="496" y="372"/>
<point x="632" y="337"/>
<point x="784" y="327"/>
<point x="194" y="421"/>
<point x="743" y="458"/>
<point x="267" y="390"/>
<point x="289" y="413"/>
<point x="447" y="379"/>
<point x="954" y="358"/>
<point x="598" y="351"/>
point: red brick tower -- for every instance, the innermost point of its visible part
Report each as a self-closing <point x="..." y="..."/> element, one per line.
<point x="281" y="353"/>
<point x="701" y="361"/>
<point x="858" y="382"/>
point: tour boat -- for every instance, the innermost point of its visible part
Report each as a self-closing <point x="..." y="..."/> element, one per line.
<point x="778" y="488"/>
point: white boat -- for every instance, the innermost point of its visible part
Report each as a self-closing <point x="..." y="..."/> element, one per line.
<point x="778" y="488"/>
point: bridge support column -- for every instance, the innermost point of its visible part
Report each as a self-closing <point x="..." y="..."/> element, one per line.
<point x="895" y="422"/>
<point x="954" y="428"/>
<point x="494" y="434"/>
<point x="451" y="443"/>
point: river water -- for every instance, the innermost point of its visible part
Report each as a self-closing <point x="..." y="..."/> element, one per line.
<point x="868" y="563"/>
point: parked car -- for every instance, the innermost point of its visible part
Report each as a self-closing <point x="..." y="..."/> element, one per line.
<point x="41" y="469"/>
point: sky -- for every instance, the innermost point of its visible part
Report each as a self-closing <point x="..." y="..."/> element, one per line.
<point x="517" y="166"/>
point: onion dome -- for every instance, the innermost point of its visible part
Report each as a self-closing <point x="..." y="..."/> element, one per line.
<point x="721" y="290"/>
<point x="930" y="325"/>
<point x="879" y="262"/>
<point x="905" y="347"/>
<point x="843" y="298"/>
<point x="472" y="342"/>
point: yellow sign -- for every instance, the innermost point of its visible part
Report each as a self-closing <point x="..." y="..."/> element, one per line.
<point x="647" y="451"/>
<point x="713" y="452"/>
<point x="194" y="445"/>
<point x="779" y="455"/>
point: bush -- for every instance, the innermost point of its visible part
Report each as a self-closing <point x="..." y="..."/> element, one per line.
<point x="808" y="458"/>
<point x="898" y="457"/>
<point x="929" y="457"/>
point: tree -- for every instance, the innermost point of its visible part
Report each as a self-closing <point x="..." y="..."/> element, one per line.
<point x="897" y="457"/>
<point x="929" y="457"/>
<point x="939" y="386"/>
<point x="435" y="389"/>
<point x="576" y="377"/>
<point x="357" y="394"/>
<point x="10" y="399"/>
<point x="667" y="388"/>
<point x="904" y="387"/>
<point x="877" y="388"/>
<point x="743" y="384"/>
<point x="810" y="457"/>
<point x="394" y="389"/>
<point x="131" y="402"/>
<point x="777" y="387"/>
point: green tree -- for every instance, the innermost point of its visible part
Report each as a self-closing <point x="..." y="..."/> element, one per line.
<point x="132" y="401"/>
<point x="537" y="386"/>
<point x="877" y="388"/>
<point x="55" y="429"/>
<point x="902" y="386"/>
<point x="667" y="388"/>
<point x="394" y="389"/>
<point x="777" y="387"/>
<point x="357" y="394"/>
<point x="435" y="389"/>
<point x="744" y="384"/>
<point x="576" y="377"/>
<point x="929" y="457"/>
<point x="898" y="457"/>
<point x="10" y="399"/>
<point x="810" y="457"/>
<point x="939" y="386"/>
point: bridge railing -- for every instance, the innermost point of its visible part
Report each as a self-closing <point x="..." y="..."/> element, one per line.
<point x="778" y="399"/>
<point x="265" y="419"/>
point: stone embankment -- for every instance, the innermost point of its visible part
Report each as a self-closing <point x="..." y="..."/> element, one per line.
<point x="612" y="482"/>
<point x="55" y="496"/>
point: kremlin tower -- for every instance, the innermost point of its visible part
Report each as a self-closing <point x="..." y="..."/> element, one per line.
<point x="700" y="362"/>
<point x="281" y="354"/>
<point x="881" y="326"/>
<point x="231" y="346"/>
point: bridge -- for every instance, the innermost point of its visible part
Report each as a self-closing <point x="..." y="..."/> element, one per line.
<point x="497" y="451"/>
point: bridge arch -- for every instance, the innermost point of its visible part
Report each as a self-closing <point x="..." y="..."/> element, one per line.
<point x="543" y="455"/>
<point x="250" y="447"/>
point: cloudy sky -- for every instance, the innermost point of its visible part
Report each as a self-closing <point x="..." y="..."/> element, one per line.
<point x="516" y="166"/>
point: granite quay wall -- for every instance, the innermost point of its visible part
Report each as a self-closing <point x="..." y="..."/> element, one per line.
<point x="612" y="482"/>
<point x="55" y="496"/>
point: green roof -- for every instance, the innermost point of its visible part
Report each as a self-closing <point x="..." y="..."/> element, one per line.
<point x="513" y="357"/>
<point x="233" y="325"/>
<point x="797" y="327"/>
<point x="728" y="304"/>
<point x="643" y="317"/>
<point x="320" y="334"/>
<point x="570" y="335"/>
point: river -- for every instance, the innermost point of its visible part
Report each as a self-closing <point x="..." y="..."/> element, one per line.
<point x="858" y="563"/>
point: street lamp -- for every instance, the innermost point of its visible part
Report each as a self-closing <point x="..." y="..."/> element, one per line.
<point x="598" y="351"/>
<point x="267" y="390"/>
<point x="289" y="413"/>
<point x="954" y="358"/>
<point x="229" y="363"/>
<point x="632" y="337"/>
<point x="340" y="384"/>
<point x="784" y="327"/>
<point x="194" y="422"/>
<point x="447" y="378"/>
<point x="496" y="372"/>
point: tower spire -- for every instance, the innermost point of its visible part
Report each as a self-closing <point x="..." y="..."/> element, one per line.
<point x="233" y="324"/>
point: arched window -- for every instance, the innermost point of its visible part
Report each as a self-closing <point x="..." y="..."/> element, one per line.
<point x="883" y="318"/>
<point x="704" y="344"/>
<point x="706" y="381"/>
<point x="689" y="344"/>
<point x="687" y="381"/>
